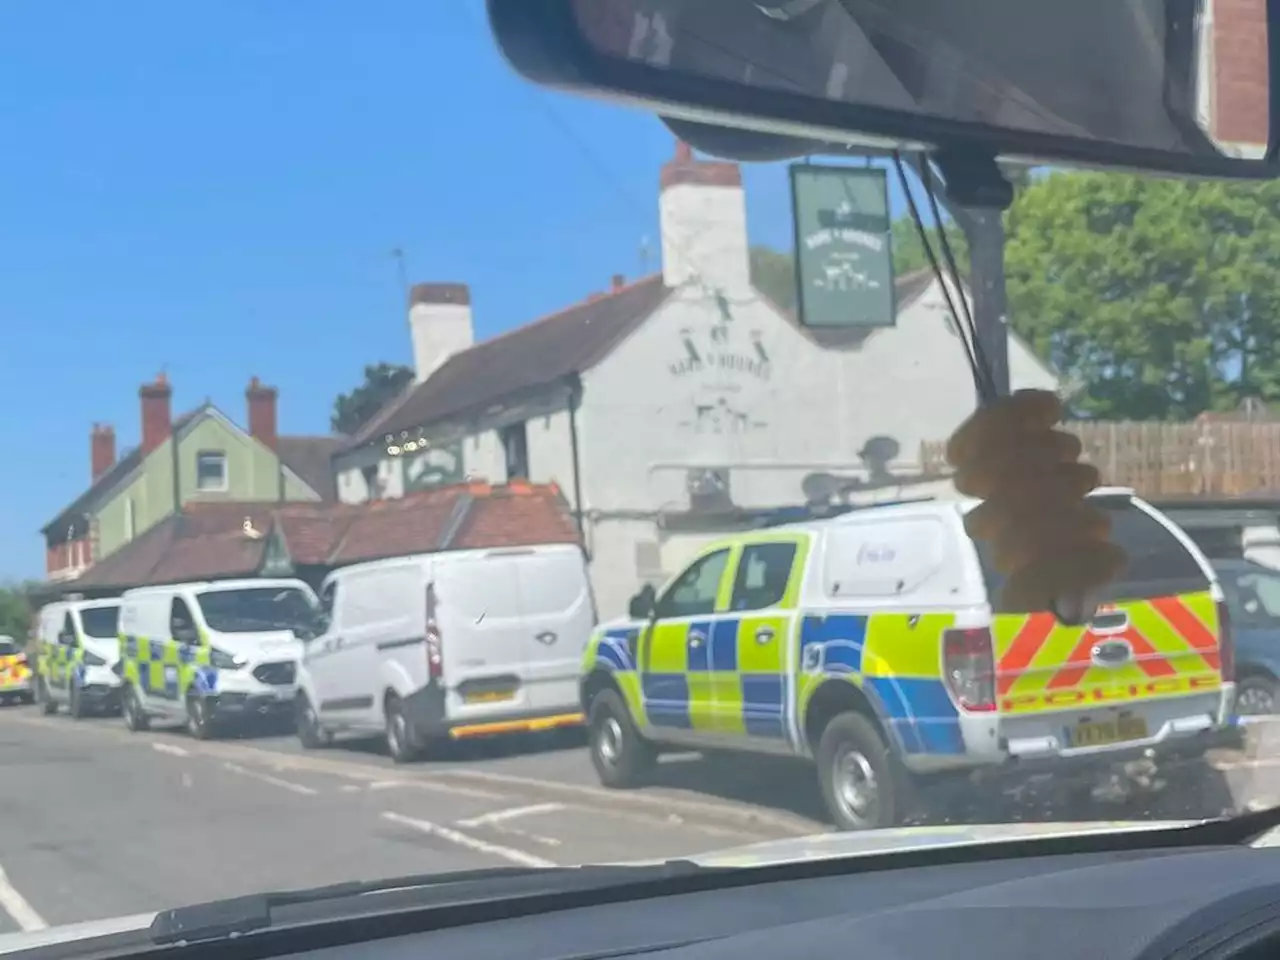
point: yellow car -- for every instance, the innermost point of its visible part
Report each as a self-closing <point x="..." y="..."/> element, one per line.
<point x="15" y="673"/>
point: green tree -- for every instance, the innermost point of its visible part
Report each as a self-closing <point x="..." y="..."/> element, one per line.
<point x="382" y="383"/>
<point x="15" y="612"/>
<point x="1160" y="296"/>
<point x="774" y="274"/>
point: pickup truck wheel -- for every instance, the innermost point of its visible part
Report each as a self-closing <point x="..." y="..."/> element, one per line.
<point x="860" y="785"/>
<point x="1256" y="696"/>
<point x="622" y="757"/>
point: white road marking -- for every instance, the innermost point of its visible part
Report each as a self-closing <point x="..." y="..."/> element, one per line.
<point x="170" y="749"/>
<point x="615" y="800"/>
<point x="468" y="841"/>
<point x="15" y="905"/>
<point x="274" y="781"/>
<point x="501" y="816"/>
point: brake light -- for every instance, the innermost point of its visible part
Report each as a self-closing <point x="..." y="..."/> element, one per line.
<point x="1226" y="643"/>
<point x="435" y="648"/>
<point x="968" y="665"/>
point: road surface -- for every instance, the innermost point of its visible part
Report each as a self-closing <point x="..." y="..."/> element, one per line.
<point x="99" y="822"/>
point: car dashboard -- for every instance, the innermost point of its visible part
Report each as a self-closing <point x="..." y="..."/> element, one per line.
<point x="1206" y="902"/>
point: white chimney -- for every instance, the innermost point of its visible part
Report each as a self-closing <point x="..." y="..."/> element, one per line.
<point x="703" y="214"/>
<point x="439" y="324"/>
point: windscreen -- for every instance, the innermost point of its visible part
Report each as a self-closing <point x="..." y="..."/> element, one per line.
<point x="258" y="609"/>
<point x="8" y="647"/>
<point x="101" y="623"/>
<point x="1158" y="564"/>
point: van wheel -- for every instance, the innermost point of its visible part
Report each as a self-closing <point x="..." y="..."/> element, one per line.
<point x="857" y="775"/>
<point x="311" y="735"/>
<point x="134" y="717"/>
<point x="621" y="756"/>
<point x="199" y="717"/>
<point x="48" y="706"/>
<point x="401" y="740"/>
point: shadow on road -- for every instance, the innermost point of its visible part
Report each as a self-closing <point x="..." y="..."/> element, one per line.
<point x="1189" y="791"/>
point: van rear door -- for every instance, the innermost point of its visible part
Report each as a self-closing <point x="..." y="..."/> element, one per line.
<point x="559" y="615"/>
<point x="481" y="634"/>
<point x="1157" y="634"/>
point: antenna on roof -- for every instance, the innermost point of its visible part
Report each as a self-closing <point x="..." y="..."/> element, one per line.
<point x="402" y="273"/>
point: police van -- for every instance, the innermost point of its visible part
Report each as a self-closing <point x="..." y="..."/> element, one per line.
<point x="213" y="655"/>
<point x="77" y="648"/>
<point x="873" y="644"/>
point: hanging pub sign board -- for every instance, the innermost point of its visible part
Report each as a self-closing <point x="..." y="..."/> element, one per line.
<point x="844" y="264"/>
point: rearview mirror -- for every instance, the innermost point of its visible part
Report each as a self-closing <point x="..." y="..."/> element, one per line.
<point x="642" y="604"/>
<point x="1100" y="82"/>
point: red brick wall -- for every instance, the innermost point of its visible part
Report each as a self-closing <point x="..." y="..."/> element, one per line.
<point x="1239" y="50"/>
<point x="68" y="554"/>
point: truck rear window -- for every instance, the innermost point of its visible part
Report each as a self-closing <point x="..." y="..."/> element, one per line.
<point x="1159" y="566"/>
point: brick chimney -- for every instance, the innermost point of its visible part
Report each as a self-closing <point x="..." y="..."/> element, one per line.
<point x="702" y="210"/>
<point x="1234" y="96"/>
<point x="262" y="412"/>
<point x="102" y="449"/>
<point x="618" y="282"/>
<point x="157" y="417"/>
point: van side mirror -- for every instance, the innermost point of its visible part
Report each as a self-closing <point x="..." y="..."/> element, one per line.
<point x="643" y="603"/>
<point x="67" y="639"/>
<point x="186" y="635"/>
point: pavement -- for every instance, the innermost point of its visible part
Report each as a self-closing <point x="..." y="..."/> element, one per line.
<point x="99" y="822"/>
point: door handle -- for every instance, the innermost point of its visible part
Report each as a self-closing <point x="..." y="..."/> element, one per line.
<point x="696" y="637"/>
<point x="764" y="635"/>
<point x="337" y="643"/>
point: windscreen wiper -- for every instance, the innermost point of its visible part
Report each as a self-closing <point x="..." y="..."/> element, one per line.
<point x="236" y="916"/>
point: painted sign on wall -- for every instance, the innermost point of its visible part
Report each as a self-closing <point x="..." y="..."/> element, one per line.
<point x="434" y="467"/>
<point x="844" y="264"/>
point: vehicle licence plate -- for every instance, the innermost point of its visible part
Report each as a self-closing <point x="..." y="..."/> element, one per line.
<point x="488" y="696"/>
<point x="1101" y="733"/>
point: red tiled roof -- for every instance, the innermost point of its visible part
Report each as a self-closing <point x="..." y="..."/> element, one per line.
<point x="209" y="540"/>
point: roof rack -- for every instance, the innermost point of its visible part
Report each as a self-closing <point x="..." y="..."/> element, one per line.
<point x="810" y="512"/>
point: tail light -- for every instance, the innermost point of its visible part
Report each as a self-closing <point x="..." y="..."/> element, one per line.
<point x="968" y="664"/>
<point x="435" y="647"/>
<point x="1226" y="643"/>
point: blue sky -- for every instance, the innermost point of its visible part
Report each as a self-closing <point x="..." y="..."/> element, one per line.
<point x="215" y="189"/>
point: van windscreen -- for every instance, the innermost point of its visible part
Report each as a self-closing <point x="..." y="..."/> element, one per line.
<point x="101" y="623"/>
<point x="1158" y="565"/>
<point x="258" y="609"/>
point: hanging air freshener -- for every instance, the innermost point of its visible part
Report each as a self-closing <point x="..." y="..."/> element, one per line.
<point x="1047" y="540"/>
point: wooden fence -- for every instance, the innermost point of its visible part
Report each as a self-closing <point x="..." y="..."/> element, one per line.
<point x="1173" y="459"/>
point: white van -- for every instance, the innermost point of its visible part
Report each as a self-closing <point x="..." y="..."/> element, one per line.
<point x="212" y="654"/>
<point x="77" y="648"/>
<point x="448" y="645"/>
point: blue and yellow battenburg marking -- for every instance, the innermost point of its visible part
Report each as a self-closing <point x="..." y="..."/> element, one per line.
<point x="728" y="673"/>
<point x="60" y="664"/>
<point x="167" y="669"/>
